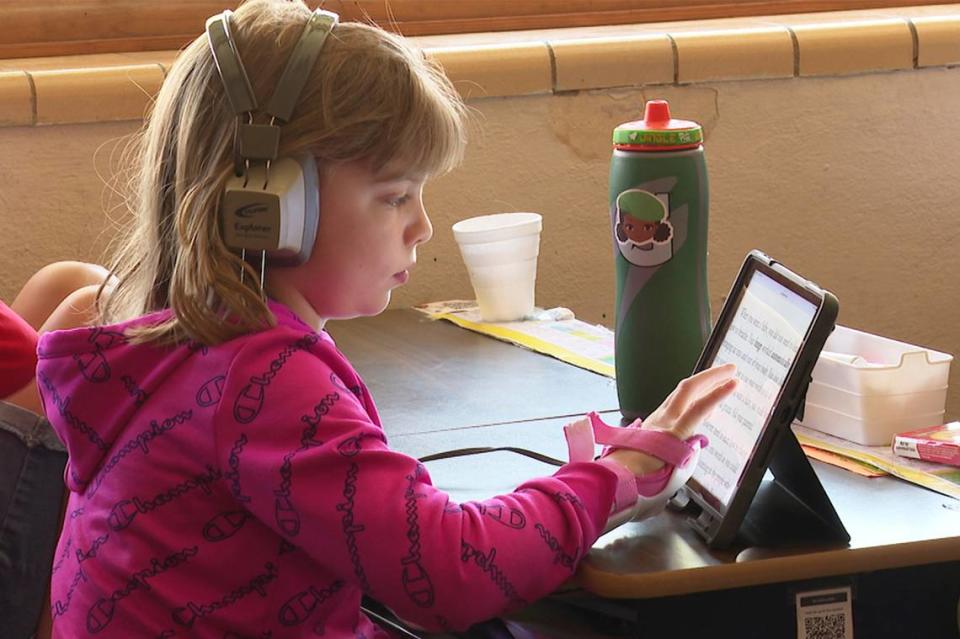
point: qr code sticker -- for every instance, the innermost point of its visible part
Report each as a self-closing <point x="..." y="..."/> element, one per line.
<point x="826" y="627"/>
<point x="825" y="614"/>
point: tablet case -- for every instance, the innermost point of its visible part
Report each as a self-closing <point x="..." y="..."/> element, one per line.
<point x="792" y="507"/>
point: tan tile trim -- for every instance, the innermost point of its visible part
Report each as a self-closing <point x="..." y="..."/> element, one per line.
<point x="16" y="99"/>
<point x="95" y="95"/>
<point x="938" y="40"/>
<point x="603" y="63"/>
<point x="754" y="52"/>
<point x="497" y="70"/>
<point x="679" y="53"/>
<point x="842" y="48"/>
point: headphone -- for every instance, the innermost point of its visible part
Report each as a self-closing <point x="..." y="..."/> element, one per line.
<point x="270" y="204"/>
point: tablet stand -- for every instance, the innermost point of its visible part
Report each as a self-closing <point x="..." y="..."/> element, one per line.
<point x="789" y="509"/>
<point x="792" y="508"/>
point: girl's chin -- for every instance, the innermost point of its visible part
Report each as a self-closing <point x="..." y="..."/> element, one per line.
<point x="375" y="308"/>
<point x="359" y="308"/>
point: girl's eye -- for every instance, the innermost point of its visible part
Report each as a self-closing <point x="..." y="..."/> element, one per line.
<point x="397" y="202"/>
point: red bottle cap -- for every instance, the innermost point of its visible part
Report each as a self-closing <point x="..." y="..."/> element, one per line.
<point x="657" y="131"/>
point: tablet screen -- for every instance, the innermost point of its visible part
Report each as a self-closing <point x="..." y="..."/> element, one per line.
<point x="763" y="339"/>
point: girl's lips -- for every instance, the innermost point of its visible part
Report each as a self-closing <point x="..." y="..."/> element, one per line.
<point x="402" y="276"/>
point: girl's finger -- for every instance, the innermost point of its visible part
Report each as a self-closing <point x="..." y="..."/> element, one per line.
<point x="701" y="407"/>
<point x="689" y="388"/>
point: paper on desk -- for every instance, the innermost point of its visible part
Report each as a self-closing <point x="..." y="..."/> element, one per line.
<point x="939" y="477"/>
<point x="846" y="463"/>
<point x="553" y="332"/>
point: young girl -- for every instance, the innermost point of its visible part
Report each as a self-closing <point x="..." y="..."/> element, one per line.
<point x="229" y="475"/>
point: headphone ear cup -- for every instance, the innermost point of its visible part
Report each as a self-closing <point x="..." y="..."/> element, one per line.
<point x="311" y="205"/>
<point x="250" y="214"/>
<point x="276" y="211"/>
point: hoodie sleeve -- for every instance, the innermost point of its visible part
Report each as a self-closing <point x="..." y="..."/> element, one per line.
<point x="316" y="468"/>
<point x="18" y="351"/>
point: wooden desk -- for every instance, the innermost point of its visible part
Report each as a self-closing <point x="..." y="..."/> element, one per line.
<point x="459" y="389"/>
<point x="429" y="375"/>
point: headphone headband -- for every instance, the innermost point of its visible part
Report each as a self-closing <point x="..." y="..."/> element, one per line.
<point x="227" y="58"/>
<point x="294" y="76"/>
<point x="304" y="56"/>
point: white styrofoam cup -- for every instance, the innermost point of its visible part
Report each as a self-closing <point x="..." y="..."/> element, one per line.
<point x="500" y="252"/>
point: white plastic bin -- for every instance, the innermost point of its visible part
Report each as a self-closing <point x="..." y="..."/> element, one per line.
<point x="867" y="388"/>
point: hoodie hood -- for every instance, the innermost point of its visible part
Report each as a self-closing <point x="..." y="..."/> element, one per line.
<point x="86" y="398"/>
<point x="94" y="381"/>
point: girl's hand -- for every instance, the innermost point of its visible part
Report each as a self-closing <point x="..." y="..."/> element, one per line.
<point x="687" y="406"/>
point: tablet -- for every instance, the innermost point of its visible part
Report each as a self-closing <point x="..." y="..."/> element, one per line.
<point x="772" y="326"/>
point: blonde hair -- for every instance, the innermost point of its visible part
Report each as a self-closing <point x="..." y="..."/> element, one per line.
<point x="370" y="96"/>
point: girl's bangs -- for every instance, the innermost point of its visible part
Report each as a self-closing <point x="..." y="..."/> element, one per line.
<point x="427" y="136"/>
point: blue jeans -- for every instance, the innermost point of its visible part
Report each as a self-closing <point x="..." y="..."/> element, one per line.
<point x="31" y="493"/>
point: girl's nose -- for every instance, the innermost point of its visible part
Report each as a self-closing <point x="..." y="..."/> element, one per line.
<point x="421" y="230"/>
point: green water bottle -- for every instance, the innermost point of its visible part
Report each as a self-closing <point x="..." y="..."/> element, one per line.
<point x="658" y="213"/>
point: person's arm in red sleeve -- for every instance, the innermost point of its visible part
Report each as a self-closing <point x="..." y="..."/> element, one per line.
<point x="18" y="352"/>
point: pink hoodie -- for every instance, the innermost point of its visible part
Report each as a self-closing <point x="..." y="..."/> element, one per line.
<point x="247" y="490"/>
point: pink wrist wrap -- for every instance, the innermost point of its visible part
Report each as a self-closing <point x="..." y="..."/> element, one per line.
<point x="647" y="494"/>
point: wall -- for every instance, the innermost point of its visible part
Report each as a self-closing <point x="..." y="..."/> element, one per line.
<point x="852" y="182"/>
<point x="850" y="179"/>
